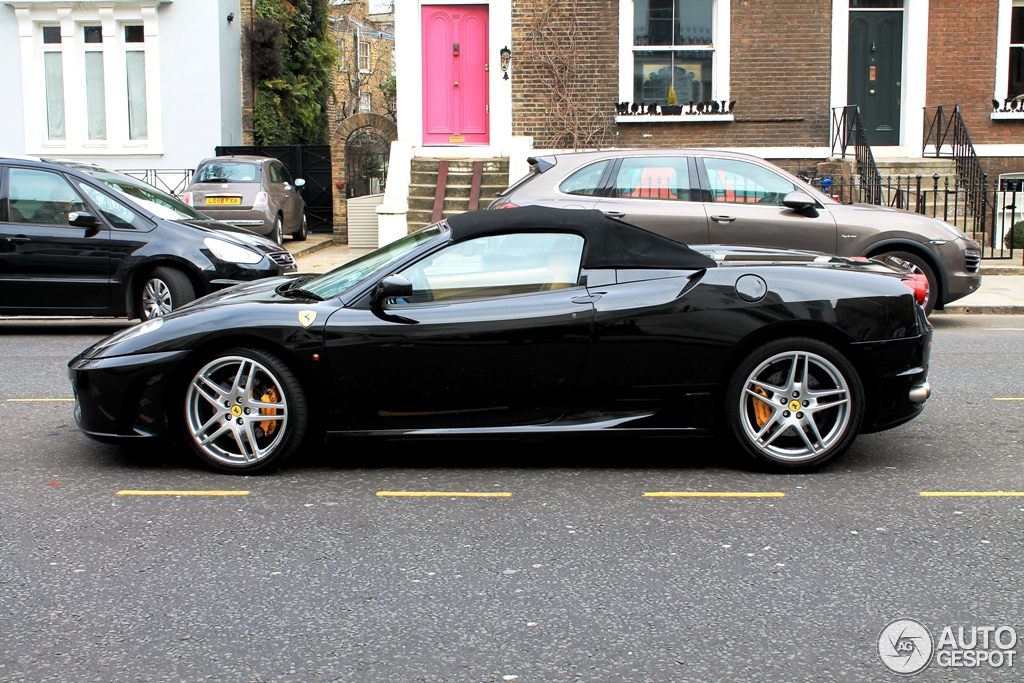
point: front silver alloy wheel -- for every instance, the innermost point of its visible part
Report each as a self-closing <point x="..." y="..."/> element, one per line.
<point x="156" y="299"/>
<point x="795" y="406"/>
<point x="236" y="411"/>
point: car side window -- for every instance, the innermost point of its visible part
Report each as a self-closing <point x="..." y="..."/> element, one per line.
<point x="653" y="178"/>
<point x="285" y="175"/>
<point x="274" y="175"/>
<point x="586" y="181"/>
<point x="496" y="266"/>
<point x="119" y="215"/>
<point x="740" y="182"/>
<point x="41" y="198"/>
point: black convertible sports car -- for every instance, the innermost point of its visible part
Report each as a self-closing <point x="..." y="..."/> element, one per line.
<point x="528" y="320"/>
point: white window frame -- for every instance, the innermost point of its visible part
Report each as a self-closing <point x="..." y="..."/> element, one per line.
<point x="360" y="45"/>
<point x="365" y="103"/>
<point x="339" y="43"/>
<point x="32" y="17"/>
<point x="104" y="48"/>
<point x="62" y="49"/>
<point x="1002" y="84"/>
<point x="720" y="48"/>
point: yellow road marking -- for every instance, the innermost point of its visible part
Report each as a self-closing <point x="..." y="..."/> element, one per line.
<point x="714" y="494"/>
<point x="972" y="494"/>
<point x="130" y="492"/>
<point x="40" y="400"/>
<point x="1010" y="399"/>
<point x="444" y="494"/>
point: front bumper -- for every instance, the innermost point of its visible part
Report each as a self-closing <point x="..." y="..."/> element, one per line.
<point x="124" y="397"/>
<point x="961" y="268"/>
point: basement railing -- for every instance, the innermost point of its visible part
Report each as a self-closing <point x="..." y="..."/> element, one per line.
<point x="847" y="131"/>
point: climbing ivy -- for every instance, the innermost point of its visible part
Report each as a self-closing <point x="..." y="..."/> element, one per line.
<point x="291" y="100"/>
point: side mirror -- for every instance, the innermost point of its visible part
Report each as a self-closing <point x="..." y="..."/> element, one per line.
<point x="391" y="287"/>
<point x="299" y="182"/>
<point x="801" y="203"/>
<point x="83" y="219"/>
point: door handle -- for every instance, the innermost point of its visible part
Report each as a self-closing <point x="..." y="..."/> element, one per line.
<point x="456" y="84"/>
<point x="614" y="214"/>
<point x="723" y="219"/>
<point x="587" y="298"/>
<point x="20" y="239"/>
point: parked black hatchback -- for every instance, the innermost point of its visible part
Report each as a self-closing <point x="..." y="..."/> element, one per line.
<point x="77" y="239"/>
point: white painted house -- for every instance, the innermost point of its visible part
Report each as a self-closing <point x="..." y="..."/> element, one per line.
<point x="133" y="84"/>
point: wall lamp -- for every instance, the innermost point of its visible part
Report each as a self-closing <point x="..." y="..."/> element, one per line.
<point x="506" y="59"/>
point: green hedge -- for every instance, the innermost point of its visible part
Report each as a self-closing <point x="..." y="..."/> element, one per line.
<point x="291" y="101"/>
<point x="1016" y="235"/>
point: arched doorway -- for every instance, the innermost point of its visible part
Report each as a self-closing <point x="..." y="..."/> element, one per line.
<point x="369" y="134"/>
<point x="366" y="162"/>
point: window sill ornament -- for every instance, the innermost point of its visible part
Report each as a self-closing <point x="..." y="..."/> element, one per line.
<point x="709" y="108"/>
<point x="1012" y="109"/>
<point x="1010" y="105"/>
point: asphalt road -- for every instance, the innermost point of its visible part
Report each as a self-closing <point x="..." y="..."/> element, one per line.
<point x="576" y="575"/>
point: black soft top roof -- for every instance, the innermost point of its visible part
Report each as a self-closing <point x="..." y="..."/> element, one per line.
<point x="610" y="243"/>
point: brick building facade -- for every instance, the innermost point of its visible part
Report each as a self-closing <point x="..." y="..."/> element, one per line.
<point x="787" y="64"/>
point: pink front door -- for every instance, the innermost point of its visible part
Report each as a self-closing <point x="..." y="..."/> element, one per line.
<point x="455" y="75"/>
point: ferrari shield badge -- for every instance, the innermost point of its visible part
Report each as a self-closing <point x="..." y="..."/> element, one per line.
<point x="306" y="318"/>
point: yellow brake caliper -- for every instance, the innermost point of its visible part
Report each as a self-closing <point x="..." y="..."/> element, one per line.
<point x="762" y="411"/>
<point x="269" y="426"/>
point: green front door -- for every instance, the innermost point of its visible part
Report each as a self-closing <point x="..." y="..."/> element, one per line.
<point x="875" y="73"/>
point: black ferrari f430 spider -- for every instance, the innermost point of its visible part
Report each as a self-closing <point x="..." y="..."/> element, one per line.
<point x="526" y="321"/>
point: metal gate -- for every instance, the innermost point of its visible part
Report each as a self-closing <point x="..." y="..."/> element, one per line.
<point x="366" y="163"/>
<point x="309" y="162"/>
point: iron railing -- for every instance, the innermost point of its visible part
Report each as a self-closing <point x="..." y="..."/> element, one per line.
<point x="946" y="136"/>
<point x="170" y="180"/>
<point x="847" y="130"/>
<point x="943" y="198"/>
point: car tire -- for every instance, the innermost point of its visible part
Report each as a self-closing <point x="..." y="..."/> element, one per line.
<point x="278" y="235"/>
<point x="223" y="421"/>
<point x="924" y="267"/>
<point x="806" y="374"/>
<point x="162" y="291"/>
<point x="303" y="231"/>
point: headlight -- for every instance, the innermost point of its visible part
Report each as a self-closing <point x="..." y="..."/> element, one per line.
<point x="232" y="253"/>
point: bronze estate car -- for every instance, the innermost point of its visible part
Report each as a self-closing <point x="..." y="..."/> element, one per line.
<point x="255" y="193"/>
<point x="712" y="197"/>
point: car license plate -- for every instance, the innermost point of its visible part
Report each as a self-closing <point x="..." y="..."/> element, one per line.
<point x="235" y="201"/>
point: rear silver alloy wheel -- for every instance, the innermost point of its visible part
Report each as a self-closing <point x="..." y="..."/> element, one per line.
<point x="156" y="299"/>
<point x="795" y="406"/>
<point x="236" y="411"/>
<point x="279" y="231"/>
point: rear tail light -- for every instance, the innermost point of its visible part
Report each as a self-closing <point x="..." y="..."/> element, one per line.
<point x="261" y="199"/>
<point x="919" y="283"/>
<point x="508" y="205"/>
<point x="187" y="198"/>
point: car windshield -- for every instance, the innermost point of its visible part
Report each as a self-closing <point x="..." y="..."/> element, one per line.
<point x="158" y="203"/>
<point x="344" y="277"/>
<point x="228" y="172"/>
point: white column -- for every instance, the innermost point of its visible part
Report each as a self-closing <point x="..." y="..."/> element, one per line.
<point x="915" y="76"/>
<point x="32" y="91"/>
<point x="409" y="71"/>
<point x="840" y="52"/>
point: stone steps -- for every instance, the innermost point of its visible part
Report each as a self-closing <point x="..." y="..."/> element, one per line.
<point x="457" y="188"/>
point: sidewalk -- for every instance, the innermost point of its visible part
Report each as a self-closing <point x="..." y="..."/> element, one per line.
<point x="320" y="253"/>
<point x="1001" y="292"/>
